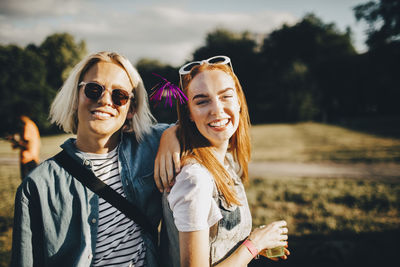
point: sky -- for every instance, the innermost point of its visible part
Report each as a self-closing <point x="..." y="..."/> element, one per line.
<point x="166" y="30"/>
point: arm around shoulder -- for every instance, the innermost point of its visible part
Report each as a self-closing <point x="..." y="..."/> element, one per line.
<point x="167" y="162"/>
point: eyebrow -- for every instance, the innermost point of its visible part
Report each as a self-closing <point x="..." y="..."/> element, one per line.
<point x="219" y="93"/>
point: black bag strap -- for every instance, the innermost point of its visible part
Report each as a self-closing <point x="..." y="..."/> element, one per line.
<point x="88" y="179"/>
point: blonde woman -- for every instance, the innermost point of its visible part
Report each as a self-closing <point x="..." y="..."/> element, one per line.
<point x="206" y="213"/>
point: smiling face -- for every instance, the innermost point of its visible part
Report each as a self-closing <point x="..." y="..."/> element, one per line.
<point x="214" y="106"/>
<point x="102" y="118"/>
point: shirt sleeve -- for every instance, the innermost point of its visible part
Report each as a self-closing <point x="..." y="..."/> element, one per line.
<point x="191" y="200"/>
<point x="26" y="229"/>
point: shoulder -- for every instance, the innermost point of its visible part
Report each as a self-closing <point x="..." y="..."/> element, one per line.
<point x="156" y="130"/>
<point x="45" y="171"/>
<point x="193" y="183"/>
<point x="40" y="180"/>
<point x="31" y="131"/>
<point x="151" y="137"/>
<point x="194" y="173"/>
<point x="191" y="199"/>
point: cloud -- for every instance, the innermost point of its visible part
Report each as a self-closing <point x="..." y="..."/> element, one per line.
<point x="169" y="34"/>
<point x="23" y="36"/>
<point x="36" y="8"/>
<point x="172" y="34"/>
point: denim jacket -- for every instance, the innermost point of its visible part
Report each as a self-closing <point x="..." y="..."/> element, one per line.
<point x="55" y="220"/>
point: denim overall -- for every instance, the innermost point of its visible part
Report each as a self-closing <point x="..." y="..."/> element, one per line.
<point x="225" y="236"/>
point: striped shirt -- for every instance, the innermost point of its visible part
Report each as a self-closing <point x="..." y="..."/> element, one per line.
<point x="119" y="241"/>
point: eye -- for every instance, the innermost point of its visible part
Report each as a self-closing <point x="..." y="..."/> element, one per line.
<point x="201" y="102"/>
<point x="227" y="96"/>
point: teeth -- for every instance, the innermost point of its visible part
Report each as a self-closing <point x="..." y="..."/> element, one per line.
<point x="101" y="114"/>
<point x="219" y="123"/>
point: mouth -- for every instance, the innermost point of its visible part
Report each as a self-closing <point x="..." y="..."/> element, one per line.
<point x="102" y="114"/>
<point x="219" y="123"/>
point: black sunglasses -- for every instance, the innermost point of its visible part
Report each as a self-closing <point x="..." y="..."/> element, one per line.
<point x="94" y="91"/>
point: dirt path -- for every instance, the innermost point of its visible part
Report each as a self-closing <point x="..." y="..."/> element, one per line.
<point x="297" y="169"/>
<point x="334" y="170"/>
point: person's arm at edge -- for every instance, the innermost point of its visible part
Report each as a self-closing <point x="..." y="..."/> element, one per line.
<point x="167" y="162"/>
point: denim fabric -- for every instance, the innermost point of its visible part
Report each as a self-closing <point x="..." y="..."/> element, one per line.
<point x="225" y="236"/>
<point x="232" y="229"/>
<point x="55" y="220"/>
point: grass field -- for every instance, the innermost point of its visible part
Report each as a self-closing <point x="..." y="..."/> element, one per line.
<point x="343" y="221"/>
<point x="315" y="142"/>
<point x="326" y="206"/>
<point x="331" y="220"/>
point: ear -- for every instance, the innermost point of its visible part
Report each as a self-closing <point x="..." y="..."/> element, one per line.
<point x="131" y="112"/>
<point x="129" y="116"/>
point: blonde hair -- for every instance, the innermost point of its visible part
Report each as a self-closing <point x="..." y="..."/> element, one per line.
<point x="63" y="110"/>
<point x="195" y="145"/>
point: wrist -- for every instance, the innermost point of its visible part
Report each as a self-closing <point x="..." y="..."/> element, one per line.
<point x="251" y="247"/>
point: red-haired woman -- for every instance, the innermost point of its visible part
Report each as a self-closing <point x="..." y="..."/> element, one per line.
<point x="206" y="213"/>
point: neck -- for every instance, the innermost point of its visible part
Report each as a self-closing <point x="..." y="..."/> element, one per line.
<point x="99" y="145"/>
<point x="220" y="152"/>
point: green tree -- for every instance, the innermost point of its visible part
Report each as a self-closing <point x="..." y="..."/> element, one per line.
<point x="30" y="78"/>
<point x="382" y="61"/>
<point x="23" y="87"/>
<point x="383" y="18"/>
<point x="60" y="53"/>
<point x="303" y="70"/>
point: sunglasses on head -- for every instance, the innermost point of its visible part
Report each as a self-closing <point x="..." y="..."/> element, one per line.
<point x="185" y="69"/>
<point x="95" y="91"/>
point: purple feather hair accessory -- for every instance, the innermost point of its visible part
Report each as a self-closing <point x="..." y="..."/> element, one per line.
<point x="167" y="89"/>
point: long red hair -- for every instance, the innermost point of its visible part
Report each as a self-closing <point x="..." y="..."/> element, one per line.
<point x="195" y="146"/>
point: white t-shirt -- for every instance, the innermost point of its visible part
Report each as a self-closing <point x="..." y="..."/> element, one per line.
<point x="191" y="199"/>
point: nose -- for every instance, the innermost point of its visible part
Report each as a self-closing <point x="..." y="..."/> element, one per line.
<point x="106" y="99"/>
<point x="217" y="107"/>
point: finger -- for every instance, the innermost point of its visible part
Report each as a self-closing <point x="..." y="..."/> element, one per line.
<point x="284" y="230"/>
<point x="281" y="244"/>
<point x="177" y="161"/>
<point x="163" y="174"/>
<point x="283" y="237"/>
<point x="286" y="251"/>
<point x="172" y="182"/>
<point x="284" y="257"/>
<point x="281" y="223"/>
<point x="273" y="259"/>
<point x="158" y="185"/>
<point x="157" y="176"/>
<point x="169" y="168"/>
